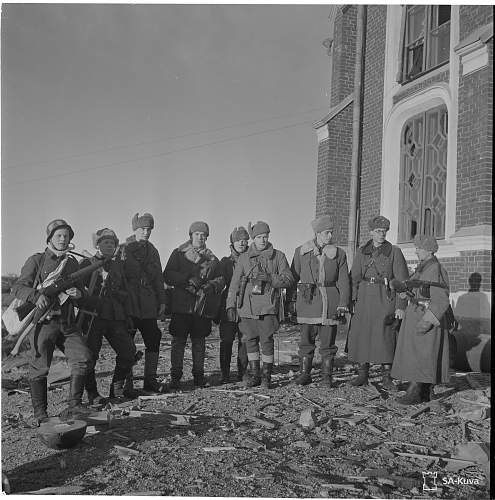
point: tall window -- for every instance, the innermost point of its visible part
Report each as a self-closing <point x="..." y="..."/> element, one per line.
<point x="423" y="175"/>
<point x="426" y="39"/>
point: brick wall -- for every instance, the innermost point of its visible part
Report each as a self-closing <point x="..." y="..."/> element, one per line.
<point x="372" y="117"/>
<point x="461" y="268"/>
<point x="475" y="142"/>
<point x="333" y="176"/>
<point x="474" y="16"/>
<point x="344" y="54"/>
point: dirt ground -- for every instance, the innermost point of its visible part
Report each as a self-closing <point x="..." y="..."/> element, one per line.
<point x="224" y="440"/>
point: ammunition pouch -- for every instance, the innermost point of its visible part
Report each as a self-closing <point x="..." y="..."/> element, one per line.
<point x="307" y="291"/>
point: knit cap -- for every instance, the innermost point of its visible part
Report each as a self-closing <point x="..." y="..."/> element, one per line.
<point x="239" y="233"/>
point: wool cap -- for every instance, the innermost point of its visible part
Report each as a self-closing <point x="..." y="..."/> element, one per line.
<point x="101" y="234"/>
<point x="57" y="224"/>
<point x="146" y="220"/>
<point x="199" y="226"/>
<point x="259" y="228"/>
<point x="239" y="233"/>
<point x="428" y="243"/>
<point x="322" y="223"/>
<point x="379" y="222"/>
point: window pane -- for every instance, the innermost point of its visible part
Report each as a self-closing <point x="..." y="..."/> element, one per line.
<point x="443" y="14"/>
<point x="415" y="23"/>
<point x="439" y="45"/>
<point x="414" y="61"/>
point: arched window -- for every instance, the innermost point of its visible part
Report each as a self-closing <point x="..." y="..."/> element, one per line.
<point x="423" y="175"/>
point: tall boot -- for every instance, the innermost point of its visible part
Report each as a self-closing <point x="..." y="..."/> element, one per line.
<point x="362" y="378"/>
<point x="306" y="364"/>
<point x="253" y="378"/>
<point x="150" y="367"/>
<point x="387" y="380"/>
<point x="74" y="408"/>
<point x="426" y="392"/>
<point x="225" y="358"/>
<point x="129" y="391"/>
<point x="117" y="389"/>
<point x="412" y="396"/>
<point x="92" y="390"/>
<point x="39" y="399"/>
<point x="198" y="346"/>
<point x="242" y="361"/>
<point x="266" y="375"/>
<point x="327" y="371"/>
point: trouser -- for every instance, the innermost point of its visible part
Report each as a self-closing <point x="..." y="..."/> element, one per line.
<point x="327" y="335"/>
<point x="121" y="341"/>
<point x="150" y="332"/>
<point x="229" y="330"/>
<point x="69" y="339"/>
<point x="182" y="326"/>
<point x="256" y="332"/>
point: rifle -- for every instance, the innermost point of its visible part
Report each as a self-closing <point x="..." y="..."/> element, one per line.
<point x="407" y="286"/>
<point x="58" y="285"/>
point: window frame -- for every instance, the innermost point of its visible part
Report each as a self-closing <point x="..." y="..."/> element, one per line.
<point x="426" y="38"/>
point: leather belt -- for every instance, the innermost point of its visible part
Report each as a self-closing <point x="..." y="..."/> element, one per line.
<point x="327" y="284"/>
<point x="372" y="280"/>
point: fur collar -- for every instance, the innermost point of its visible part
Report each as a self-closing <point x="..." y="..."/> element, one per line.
<point x="195" y="255"/>
<point x="268" y="252"/>
<point x="329" y="251"/>
<point x="385" y="248"/>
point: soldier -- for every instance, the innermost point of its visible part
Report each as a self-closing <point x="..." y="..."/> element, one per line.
<point x="194" y="272"/>
<point x="229" y="330"/>
<point x="422" y="354"/>
<point x="108" y="318"/>
<point x="58" y="328"/>
<point x="259" y="276"/>
<point x="372" y="337"/>
<point x="143" y="271"/>
<point x="323" y="294"/>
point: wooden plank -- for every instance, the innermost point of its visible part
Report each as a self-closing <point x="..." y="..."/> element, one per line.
<point x="265" y="423"/>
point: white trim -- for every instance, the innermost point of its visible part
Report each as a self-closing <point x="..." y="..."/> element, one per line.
<point x="474" y="59"/>
<point x="322" y="133"/>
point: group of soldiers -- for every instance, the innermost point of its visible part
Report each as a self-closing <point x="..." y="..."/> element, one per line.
<point x="247" y="293"/>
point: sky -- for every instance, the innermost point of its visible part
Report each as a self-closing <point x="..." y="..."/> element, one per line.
<point x="189" y="112"/>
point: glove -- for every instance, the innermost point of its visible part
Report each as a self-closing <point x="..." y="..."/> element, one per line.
<point x="423" y="327"/>
<point x="231" y="314"/>
<point x="264" y="277"/>
<point x="42" y="302"/>
<point x="342" y="310"/>
<point x="195" y="281"/>
<point x="209" y="289"/>
<point x="74" y="292"/>
<point x="403" y="295"/>
<point x="399" y="314"/>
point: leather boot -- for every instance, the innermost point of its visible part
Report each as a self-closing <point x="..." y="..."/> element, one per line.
<point x="426" y="392"/>
<point x="94" y="398"/>
<point x="129" y="391"/>
<point x="242" y="361"/>
<point x="327" y="371"/>
<point x="412" y="396"/>
<point x="39" y="399"/>
<point x="198" y="345"/>
<point x="253" y="378"/>
<point x="150" y="367"/>
<point x="74" y="408"/>
<point x="266" y="375"/>
<point x="362" y="378"/>
<point x="306" y="364"/>
<point x="117" y="389"/>
<point x="387" y="380"/>
<point x="225" y="358"/>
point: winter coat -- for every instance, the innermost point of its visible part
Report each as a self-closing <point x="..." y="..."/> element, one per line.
<point x="184" y="263"/>
<point x="143" y="272"/>
<point x="370" y="339"/>
<point x="322" y="283"/>
<point x="425" y="357"/>
<point x="111" y="302"/>
<point x="251" y="263"/>
<point x="227" y="265"/>
<point x="45" y="262"/>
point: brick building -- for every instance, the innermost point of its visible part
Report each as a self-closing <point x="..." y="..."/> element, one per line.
<point x="409" y="135"/>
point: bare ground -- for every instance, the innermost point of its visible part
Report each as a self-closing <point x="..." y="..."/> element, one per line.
<point x="205" y="442"/>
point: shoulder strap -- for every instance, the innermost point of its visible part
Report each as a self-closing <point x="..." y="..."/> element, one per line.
<point x="38" y="272"/>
